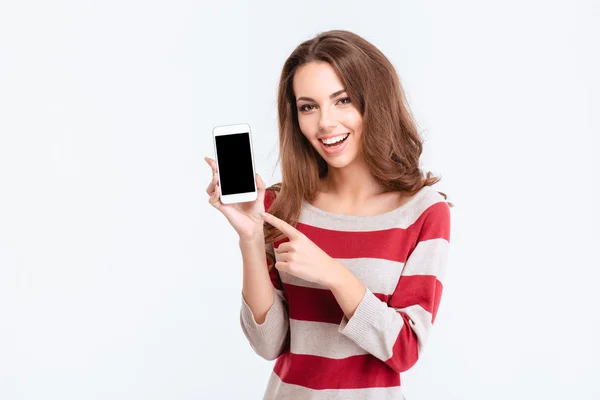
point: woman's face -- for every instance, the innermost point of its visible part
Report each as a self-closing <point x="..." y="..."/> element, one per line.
<point x="325" y="113"/>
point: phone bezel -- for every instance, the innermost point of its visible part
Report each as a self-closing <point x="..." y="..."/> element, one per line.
<point x="223" y="130"/>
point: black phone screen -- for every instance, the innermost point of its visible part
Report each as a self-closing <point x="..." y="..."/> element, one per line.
<point x="235" y="163"/>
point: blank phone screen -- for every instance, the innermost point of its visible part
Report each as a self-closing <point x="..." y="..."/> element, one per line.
<point x="235" y="163"/>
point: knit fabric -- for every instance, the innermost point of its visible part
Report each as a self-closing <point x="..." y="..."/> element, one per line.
<point x="400" y="256"/>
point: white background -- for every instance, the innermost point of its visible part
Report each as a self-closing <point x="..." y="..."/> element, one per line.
<point x="119" y="281"/>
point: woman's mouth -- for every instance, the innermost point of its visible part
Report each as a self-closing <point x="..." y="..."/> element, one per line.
<point x="335" y="144"/>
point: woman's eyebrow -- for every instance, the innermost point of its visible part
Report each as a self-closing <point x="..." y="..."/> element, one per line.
<point x="331" y="96"/>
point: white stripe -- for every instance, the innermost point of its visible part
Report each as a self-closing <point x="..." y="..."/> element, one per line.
<point x="268" y="338"/>
<point x="379" y="275"/>
<point x="279" y="390"/>
<point x="428" y="258"/>
<point x="420" y="322"/>
<point x="374" y="326"/>
<point x="325" y="339"/>
<point x="402" y="217"/>
<point x="321" y="339"/>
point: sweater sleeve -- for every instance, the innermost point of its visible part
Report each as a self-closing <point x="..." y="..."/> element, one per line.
<point x="396" y="331"/>
<point x="270" y="338"/>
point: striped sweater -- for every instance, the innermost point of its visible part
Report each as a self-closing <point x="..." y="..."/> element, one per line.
<point x="400" y="256"/>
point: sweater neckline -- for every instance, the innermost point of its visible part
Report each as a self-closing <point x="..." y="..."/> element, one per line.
<point x="388" y="214"/>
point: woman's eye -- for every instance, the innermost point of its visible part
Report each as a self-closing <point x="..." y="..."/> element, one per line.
<point x="303" y="108"/>
<point x="344" y="101"/>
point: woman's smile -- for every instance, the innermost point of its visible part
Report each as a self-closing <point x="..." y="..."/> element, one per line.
<point x="335" y="144"/>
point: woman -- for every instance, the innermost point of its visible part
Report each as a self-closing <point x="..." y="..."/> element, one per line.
<point x="343" y="283"/>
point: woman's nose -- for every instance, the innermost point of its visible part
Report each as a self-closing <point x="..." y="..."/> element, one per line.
<point x="327" y="121"/>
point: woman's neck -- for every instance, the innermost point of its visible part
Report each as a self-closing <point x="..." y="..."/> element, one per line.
<point x="353" y="183"/>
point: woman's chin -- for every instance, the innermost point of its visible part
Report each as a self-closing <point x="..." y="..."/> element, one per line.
<point x="339" y="162"/>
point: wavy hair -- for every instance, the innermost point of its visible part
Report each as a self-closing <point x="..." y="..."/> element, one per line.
<point x="374" y="88"/>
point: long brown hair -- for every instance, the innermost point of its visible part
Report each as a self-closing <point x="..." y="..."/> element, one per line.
<point x="374" y="88"/>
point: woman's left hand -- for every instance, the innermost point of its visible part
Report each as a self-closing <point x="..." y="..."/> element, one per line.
<point x="303" y="258"/>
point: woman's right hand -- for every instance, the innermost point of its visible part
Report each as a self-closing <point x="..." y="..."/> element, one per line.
<point x="244" y="217"/>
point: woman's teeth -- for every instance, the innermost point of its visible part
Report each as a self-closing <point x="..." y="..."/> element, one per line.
<point x="331" y="142"/>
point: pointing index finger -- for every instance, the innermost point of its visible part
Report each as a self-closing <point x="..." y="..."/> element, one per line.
<point x="283" y="226"/>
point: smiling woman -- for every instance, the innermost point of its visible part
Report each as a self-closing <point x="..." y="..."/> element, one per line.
<point x="339" y="85"/>
<point x="332" y="124"/>
<point x="343" y="284"/>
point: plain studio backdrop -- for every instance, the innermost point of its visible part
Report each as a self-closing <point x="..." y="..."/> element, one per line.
<point x="118" y="280"/>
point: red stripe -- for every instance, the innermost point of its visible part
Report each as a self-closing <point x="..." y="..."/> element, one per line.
<point x="309" y="304"/>
<point x="416" y="289"/>
<point x="394" y="244"/>
<point x="436" y="301"/>
<point x="435" y="222"/>
<point x="275" y="278"/>
<point x="320" y="305"/>
<point x="363" y="371"/>
<point x="270" y="196"/>
<point x="391" y="244"/>
<point x="405" y="351"/>
<point x="316" y="305"/>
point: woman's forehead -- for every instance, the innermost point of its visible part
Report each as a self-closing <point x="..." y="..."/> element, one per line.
<point x="316" y="80"/>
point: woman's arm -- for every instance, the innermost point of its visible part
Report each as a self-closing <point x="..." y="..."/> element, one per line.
<point x="257" y="289"/>
<point x="397" y="331"/>
<point x="263" y="313"/>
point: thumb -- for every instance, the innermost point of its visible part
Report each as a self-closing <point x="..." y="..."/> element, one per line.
<point x="261" y="189"/>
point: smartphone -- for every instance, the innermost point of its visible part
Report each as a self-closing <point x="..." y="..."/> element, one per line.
<point x="235" y="163"/>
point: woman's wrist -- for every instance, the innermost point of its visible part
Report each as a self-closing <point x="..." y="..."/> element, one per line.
<point x="257" y="240"/>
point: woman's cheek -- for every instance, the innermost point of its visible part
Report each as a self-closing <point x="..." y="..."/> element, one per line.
<point x="305" y="126"/>
<point x="353" y="117"/>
